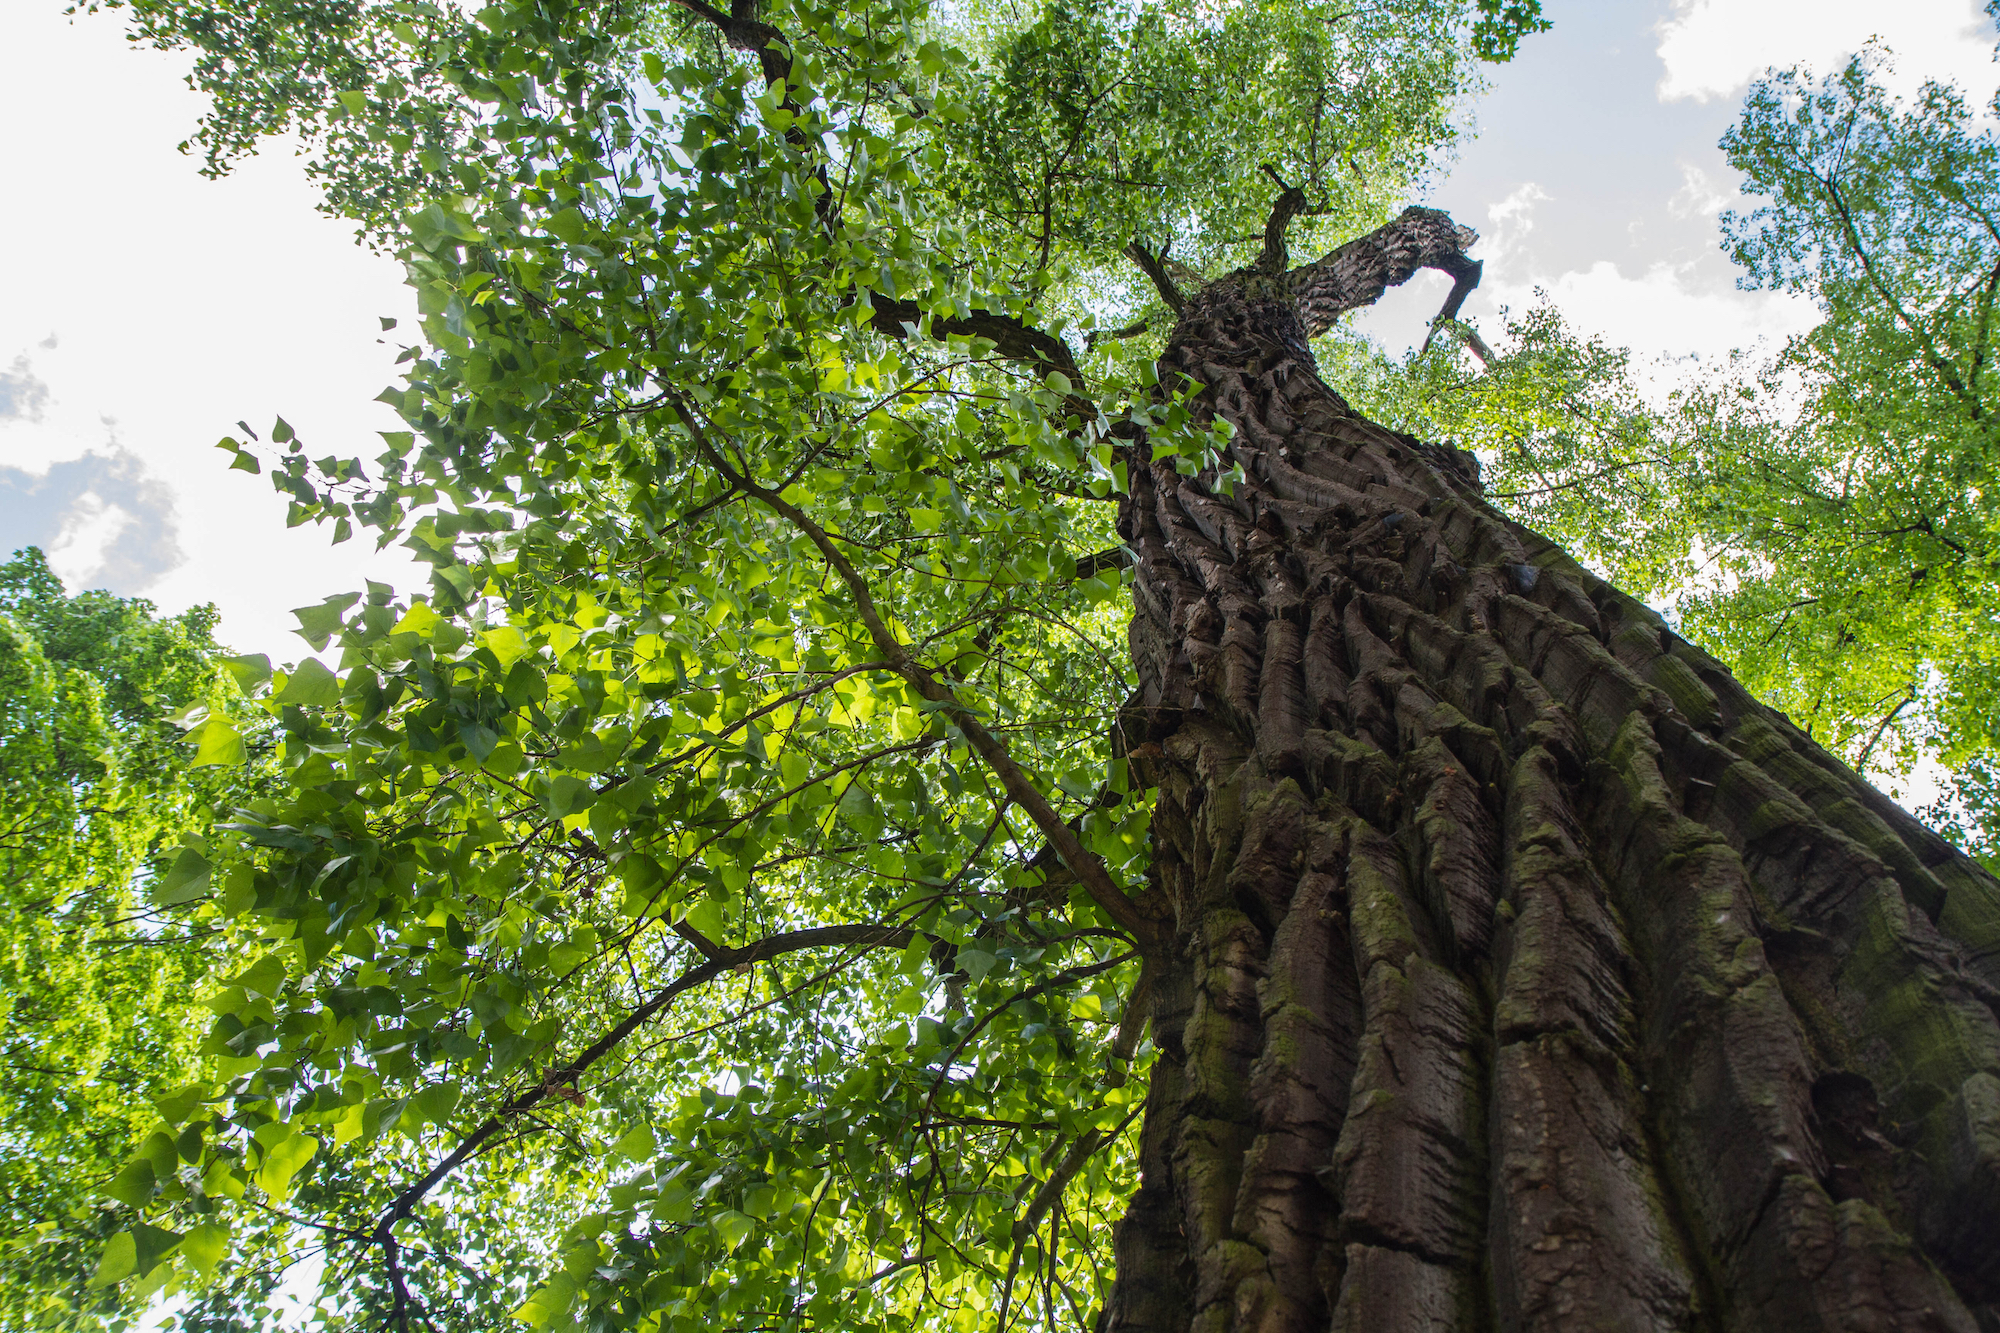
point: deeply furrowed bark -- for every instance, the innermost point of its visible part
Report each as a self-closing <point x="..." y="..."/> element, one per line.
<point x="1527" y="973"/>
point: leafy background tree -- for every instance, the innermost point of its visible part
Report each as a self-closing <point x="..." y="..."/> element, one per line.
<point x="97" y="973"/>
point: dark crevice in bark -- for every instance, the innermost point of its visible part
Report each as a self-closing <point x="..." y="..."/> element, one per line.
<point x="1525" y="972"/>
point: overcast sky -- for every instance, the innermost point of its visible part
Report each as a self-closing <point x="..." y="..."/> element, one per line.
<point x="147" y="310"/>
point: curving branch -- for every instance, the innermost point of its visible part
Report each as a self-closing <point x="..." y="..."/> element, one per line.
<point x="1088" y="867"/>
<point x="1357" y="273"/>
<point x="1155" y="269"/>
<point x="1046" y="1197"/>
<point x="561" y="1081"/>
<point x="1275" y="258"/>
<point x="1010" y="337"/>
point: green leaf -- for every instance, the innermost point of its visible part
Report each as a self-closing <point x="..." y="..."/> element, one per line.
<point x="120" y="1257"/>
<point x="549" y="1303"/>
<point x="133" y="1184"/>
<point x="176" y="1106"/>
<point x="283" y="1161"/>
<point x="133" y="1253"/>
<point x="433" y="1105"/>
<point x="858" y="807"/>
<point x="217" y="743"/>
<point x="310" y="684"/>
<point x="705" y="915"/>
<point x="151" y="1244"/>
<point x="264" y="978"/>
<point x="733" y="1227"/>
<point x="506" y="644"/>
<point x="317" y="624"/>
<point x="419" y="620"/>
<point x="569" y="225"/>
<point x="248" y="671"/>
<point x="479" y="739"/>
<point x="568" y="795"/>
<point x="186" y="879"/>
<point x="434" y="227"/>
<point x="636" y="1146"/>
<point x="204" y="1247"/>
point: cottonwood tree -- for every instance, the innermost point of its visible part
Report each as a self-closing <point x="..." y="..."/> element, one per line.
<point x="946" y="777"/>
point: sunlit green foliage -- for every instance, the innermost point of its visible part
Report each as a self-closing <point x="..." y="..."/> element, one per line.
<point x="96" y="979"/>
<point x="655" y="924"/>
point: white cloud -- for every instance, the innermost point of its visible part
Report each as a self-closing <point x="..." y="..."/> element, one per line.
<point x="103" y="519"/>
<point x="83" y="547"/>
<point x="1699" y="195"/>
<point x="22" y="395"/>
<point x="1508" y="225"/>
<point x="1715" y="48"/>
<point x="1664" y="313"/>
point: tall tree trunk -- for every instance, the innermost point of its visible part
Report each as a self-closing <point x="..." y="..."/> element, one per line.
<point x="1527" y="973"/>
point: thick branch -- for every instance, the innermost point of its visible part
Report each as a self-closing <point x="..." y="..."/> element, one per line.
<point x="1356" y="274"/>
<point x="1276" y="258"/>
<point x="1152" y="266"/>
<point x="744" y="32"/>
<point x="1010" y="337"/>
<point x="1089" y="566"/>
<point x="1132" y="330"/>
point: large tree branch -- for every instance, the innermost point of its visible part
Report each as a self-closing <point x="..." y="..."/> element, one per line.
<point x="1010" y="337"/>
<point x="741" y="28"/>
<point x="1155" y="268"/>
<point x="1356" y="274"/>
<point x="1275" y="258"/>
<point x="744" y="31"/>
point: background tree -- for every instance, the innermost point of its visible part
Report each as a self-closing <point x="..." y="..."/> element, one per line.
<point x="97" y="978"/>
<point x="755" y="887"/>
